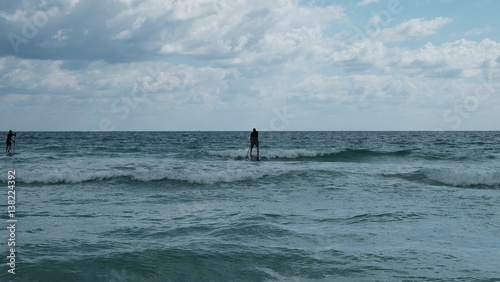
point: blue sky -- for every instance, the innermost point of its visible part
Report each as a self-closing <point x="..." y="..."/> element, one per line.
<point x="235" y="65"/>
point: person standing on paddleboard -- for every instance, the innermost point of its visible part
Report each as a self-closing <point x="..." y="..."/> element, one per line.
<point x="254" y="141"/>
<point x="9" y="141"/>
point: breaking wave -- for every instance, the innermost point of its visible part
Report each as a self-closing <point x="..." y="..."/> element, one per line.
<point x="463" y="178"/>
<point x="146" y="175"/>
<point x="347" y="155"/>
<point x="455" y="177"/>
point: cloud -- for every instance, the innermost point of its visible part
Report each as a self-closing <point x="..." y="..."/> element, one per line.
<point x="467" y="58"/>
<point x="362" y="55"/>
<point x="264" y="32"/>
<point x="16" y="16"/>
<point x="478" y="31"/>
<point x="413" y="29"/>
<point x="58" y="40"/>
<point x="367" y="2"/>
<point x="100" y="80"/>
<point x="203" y="61"/>
<point x="119" y="92"/>
<point x="461" y="58"/>
<point x="228" y="32"/>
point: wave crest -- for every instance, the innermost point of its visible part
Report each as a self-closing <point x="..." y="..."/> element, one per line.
<point x="145" y="175"/>
<point x="455" y="177"/>
<point x="463" y="177"/>
<point x="346" y="155"/>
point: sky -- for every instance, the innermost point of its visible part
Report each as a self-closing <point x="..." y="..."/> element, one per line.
<point x="274" y="65"/>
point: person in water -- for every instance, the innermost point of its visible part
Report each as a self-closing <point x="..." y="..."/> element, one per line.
<point x="9" y="141"/>
<point x="254" y="141"/>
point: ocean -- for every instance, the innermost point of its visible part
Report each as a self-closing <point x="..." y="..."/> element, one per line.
<point x="189" y="206"/>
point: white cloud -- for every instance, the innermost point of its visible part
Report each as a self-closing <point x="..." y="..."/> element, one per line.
<point x="58" y="40"/>
<point x="459" y="58"/>
<point x="17" y="16"/>
<point x="367" y="2"/>
<point x="263" y="32"/>
<point x="411" y="30"/>
<point x="478" y="31"/>
<point x="214" y="60"/>
<point x="364" y="54"/>
<point x="176" y="84"/>
<point x="468" y="57"/>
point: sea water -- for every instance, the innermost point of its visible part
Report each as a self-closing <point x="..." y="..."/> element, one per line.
<point x="189" y="206"/>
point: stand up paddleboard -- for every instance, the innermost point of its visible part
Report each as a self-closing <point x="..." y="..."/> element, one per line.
<point x="253" y="158"/>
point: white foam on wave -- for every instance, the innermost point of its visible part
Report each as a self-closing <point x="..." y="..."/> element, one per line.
<point x="203" y="176"/>
<point x="195" y="174"/>
<point x="235" y="153"/>
<point x="272" y="153"/>
<point x="67" y="176"/>
<point x="463" y="177"/>
<point x="294" y="153"/>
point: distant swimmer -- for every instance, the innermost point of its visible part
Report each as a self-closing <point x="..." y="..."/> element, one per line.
<point x="9" y="141"/>
<point x="254" y="141"/>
